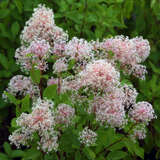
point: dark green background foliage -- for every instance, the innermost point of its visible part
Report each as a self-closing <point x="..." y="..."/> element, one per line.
<point x="90" y="19"/>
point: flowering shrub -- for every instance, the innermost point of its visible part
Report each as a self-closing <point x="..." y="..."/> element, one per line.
<point x="76" y="102"/>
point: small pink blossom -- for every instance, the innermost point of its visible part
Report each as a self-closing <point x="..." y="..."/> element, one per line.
<point x="64" y="114"/>
<point x="78" y="49"/>
<point x="142" y="112"/>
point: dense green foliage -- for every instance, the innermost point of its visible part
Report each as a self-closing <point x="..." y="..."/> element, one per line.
<point x="90" y="19"/>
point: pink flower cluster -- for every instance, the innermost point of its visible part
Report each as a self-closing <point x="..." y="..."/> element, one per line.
<point x="78" y="49"/>
<point x="139" y="132"/>
<point x="130" y="52"/>
<point x="60" y="65"/>
<point x="142" y="112"/>
<point x="130" y="95"/>
<point x="41" y="121"/>
<point x="99" y="74"/>
<point x="33" y="56"/>
<point x="40" y="25"/>
<point x="21" y="86"/>
<point x="64" y="114"/>
<point x="109" y="110"/>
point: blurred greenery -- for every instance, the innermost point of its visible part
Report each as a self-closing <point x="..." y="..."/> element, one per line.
<point x="90" y="19"/>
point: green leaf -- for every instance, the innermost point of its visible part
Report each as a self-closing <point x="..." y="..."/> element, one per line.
<point x="50" y="92"/>
<point x="32" y="154"/>
<point x="78" y="155"/>
<point x="153" y="2"/>
<point x="25" y="104"/>
<point x="139" y="151"/>
<point x="71" y="64"/>
<point x="89" y="153"/>
<point x="3" y="156"/>
<point x="116" y="155"/>
<point x="117" y="146"/>
<point x="4" y="13"/>
<point x="4" y="61"/>
<point x="35" y="75"/>
<point x="14" y="123"/>
<point x="17" y="153"/>
<point x="106" y="137"/>
<point x="134" y="148"/>
<point x="68" y="141"/>
<point x="50" y="157"/>
<point x="7" y="148"/>
<point x="12" y="98"/>
<point x="15" y="28"/>
<point x="154" y="68"/>
<point x="128" y="7"/>
<point x="19" y="5"/>
<point x="4" y="4"/>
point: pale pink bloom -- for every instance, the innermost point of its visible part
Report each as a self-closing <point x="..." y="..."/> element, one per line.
<point x="139" y="71"/>
<point x="40" y="25"/>
<point x="87" y="137"/>
<point x="130" y="95"/>
<point x="40" y="119"/>
<point x="48" y="143"/>
<point x="60" y="65"/>
<point x="139" y="132"/>
<point x="99" y="74"/>
<point x="142" y="47"/>
<point x="39" y="48"/>
<point x="109" y="110"/>
<point x="78" y="49"/>
<point x="124" y="50"/>
<point x="70" y="84"/>
<point x="20" y="137"/>
<point x="130" y="52"/>
<point x="142" y="112"/>
<point x="34" y="55"/>
<point x="21" y="86"/>
<point x="64" y="114"/>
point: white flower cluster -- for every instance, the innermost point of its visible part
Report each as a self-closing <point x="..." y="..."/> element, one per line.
<point x="87" y="137"/>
